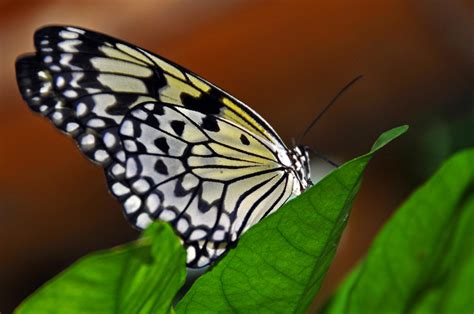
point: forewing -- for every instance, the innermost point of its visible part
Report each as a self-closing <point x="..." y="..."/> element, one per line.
<point x="85" y="82"/>
<point x="209" y="177"/>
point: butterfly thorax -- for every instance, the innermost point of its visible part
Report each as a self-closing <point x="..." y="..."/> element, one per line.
<point x="300" y="164"/>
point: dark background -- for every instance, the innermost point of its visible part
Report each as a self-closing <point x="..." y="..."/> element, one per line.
<point x="286" y="59"/>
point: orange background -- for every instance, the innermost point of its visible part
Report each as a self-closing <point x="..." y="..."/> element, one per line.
<point x="286" y="59"/>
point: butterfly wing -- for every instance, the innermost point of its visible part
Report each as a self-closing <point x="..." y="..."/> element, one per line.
<point x="208" y="176"/>
<point x="85" y="82"/>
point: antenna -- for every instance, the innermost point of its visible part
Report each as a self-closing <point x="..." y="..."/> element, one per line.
<point x="322" y="157"/>
<point x="310" y="126"/>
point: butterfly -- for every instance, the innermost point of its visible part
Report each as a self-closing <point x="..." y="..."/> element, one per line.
<point x="174" y="147"/>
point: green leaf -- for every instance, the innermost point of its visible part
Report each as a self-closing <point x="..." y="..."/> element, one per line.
<point x="423" y="259"/>
<point x="279" y="264"/>
<point x="141" y="277"/>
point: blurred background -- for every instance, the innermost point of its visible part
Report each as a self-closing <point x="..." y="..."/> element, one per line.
<point x="286" y="59"/>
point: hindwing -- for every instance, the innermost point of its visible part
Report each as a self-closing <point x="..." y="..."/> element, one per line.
<point x="208" y="176"/>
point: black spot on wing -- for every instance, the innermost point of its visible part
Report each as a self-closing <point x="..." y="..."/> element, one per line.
<point x="203" y="206"/>
<point x="244" y="139"/>
<point x="205" y="103"/>
<point x="151" y="120"/>
<point x="210" y="123"/>
<point x="162" y="144"/>
<point x="158" y="109"/>
<point x="141" y="148"/>
<point x="161" y="168"/>
<point x="178" y="127"/>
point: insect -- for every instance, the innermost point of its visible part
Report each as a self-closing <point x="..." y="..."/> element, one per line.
<point x="173" y="146"/>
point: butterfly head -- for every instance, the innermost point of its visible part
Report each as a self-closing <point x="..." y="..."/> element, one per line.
<point x="300" y="158"/>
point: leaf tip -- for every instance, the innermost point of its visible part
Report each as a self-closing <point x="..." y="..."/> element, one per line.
<point x="388" y="136"/>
